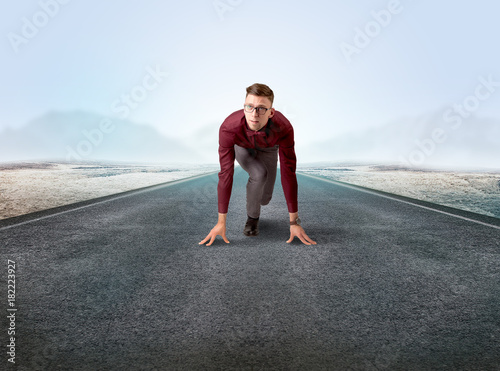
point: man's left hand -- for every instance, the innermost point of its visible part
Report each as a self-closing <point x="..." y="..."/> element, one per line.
<point x="298" y="231"/>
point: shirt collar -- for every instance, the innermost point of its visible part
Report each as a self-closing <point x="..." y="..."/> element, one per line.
<point x="252" y="133"/>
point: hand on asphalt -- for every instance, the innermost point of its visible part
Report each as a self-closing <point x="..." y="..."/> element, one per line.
<point x="218" y="230"/>
<point x="298" y="231"/>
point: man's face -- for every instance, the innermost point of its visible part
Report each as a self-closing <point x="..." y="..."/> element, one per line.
<point x="254" y="120"/>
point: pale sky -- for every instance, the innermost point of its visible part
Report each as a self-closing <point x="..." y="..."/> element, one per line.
<point x="419" y="57"/>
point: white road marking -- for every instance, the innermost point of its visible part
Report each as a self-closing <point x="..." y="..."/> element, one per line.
<point x="397" y="199"/>
<point x="117" y="197"/>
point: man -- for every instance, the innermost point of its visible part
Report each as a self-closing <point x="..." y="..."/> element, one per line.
<point x="254" y="136"/>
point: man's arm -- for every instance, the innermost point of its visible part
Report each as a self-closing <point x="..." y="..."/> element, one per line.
<point x="288" y="164"/>
<point x="224" y="187"/>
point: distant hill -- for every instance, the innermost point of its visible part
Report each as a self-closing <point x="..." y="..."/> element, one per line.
<point x="427" y="141"/>
<point x="82" y="136"/>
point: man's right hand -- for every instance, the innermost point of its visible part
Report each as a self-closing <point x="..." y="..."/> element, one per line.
<point x="218" y="230"/>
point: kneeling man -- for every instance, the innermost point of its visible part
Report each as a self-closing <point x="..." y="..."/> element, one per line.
<point x="254" y="136"/>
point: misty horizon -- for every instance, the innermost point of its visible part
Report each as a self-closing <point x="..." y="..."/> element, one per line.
<point x="85" y="136"/>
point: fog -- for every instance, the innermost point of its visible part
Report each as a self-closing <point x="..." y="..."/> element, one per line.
<point x="387" y="81"/>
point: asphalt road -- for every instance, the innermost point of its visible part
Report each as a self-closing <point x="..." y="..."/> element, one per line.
<point x="122" y="284"/>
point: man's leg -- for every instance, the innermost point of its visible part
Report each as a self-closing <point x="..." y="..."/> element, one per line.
<point x="257" y="174"/>
<point x="261" y="167"/>
<point x="269" y="157"/>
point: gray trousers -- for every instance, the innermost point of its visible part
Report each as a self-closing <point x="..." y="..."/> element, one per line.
<point x="261" y="166"/>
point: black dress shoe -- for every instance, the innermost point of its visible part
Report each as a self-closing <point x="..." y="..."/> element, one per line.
<point x="251" y="227"/>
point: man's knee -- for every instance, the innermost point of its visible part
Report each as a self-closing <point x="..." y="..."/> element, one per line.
<point x="265" y="200"/>
<point x="258" y="176"/>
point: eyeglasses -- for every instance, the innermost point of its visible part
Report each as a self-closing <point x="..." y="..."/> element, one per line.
<point x="260" y="110"/>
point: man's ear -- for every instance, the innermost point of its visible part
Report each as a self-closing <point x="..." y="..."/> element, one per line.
<point x="272" y="112"/>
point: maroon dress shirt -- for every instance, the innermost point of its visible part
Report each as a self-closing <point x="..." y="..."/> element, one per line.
<point x="278" y="131"/>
